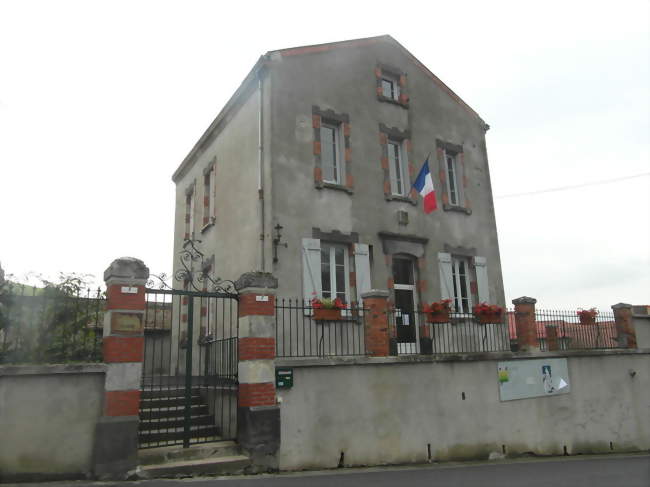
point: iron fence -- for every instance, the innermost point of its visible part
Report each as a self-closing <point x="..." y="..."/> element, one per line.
<point x="50" y="325"/>
<point x="419" y="332"/>
<point x="303" y="331"/>
<point x="566" y="330"/>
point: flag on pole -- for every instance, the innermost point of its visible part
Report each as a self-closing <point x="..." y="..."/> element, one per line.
<point x="424" y="185"/>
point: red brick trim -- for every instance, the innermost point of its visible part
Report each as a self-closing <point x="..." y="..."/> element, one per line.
<point x="248" y="305"/>
<point x="115" y="299"/>
<point x="255" y="348"/>
<point x="122" y="403"/>
<point x="123" y="349"/>
<point x="262" y="394"/>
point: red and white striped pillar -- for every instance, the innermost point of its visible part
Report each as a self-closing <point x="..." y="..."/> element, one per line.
<point x="258" y="414"/>
<point x="116" y="439"/>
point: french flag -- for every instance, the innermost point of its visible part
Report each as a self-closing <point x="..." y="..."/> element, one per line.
<point x="424" y="185"/>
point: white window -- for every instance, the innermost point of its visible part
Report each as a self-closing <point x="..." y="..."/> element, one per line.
<point x="334" y="271"/>
<point x="460" y="272"/>
<point x="331" y="153"/>
<point x="390" y="88"/>
<point x="451" y="167"/>
<point x="397" y="169"/>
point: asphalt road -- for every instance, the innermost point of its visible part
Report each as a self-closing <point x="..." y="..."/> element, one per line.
<point x="619" y="471"/>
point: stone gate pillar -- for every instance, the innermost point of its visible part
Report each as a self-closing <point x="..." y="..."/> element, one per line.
<point x="258" y="414"/>
<point x="625" y="332"/>
<point x="116" y="435"/>
<point x="526" y="325"/>
<point x="376" y="330"/>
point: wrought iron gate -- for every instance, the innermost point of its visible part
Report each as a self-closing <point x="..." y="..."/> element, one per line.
<point x="189" y="378"/>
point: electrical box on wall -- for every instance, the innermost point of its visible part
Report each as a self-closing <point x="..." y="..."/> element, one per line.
<point x="402" y="217"/>
<point x="283" y="378"/>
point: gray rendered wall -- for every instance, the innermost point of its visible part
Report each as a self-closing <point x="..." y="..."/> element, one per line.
<point x="234" y="238"/>
<point x="343" y="80"/>
<point x="47" y="419"/>
<point x="386" y="414"/>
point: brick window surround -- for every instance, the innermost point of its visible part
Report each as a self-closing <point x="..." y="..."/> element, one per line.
<point x="386" y="133"/>
<point x="343" y="120"/>
<point x="461" y="176"/>
<point x="398" y="76"/>
<point x="209" y="183"/>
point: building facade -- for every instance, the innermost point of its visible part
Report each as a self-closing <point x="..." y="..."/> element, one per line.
<point x="307" y="173"/>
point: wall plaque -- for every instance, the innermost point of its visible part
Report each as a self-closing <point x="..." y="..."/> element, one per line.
<point x="126" y="323"/>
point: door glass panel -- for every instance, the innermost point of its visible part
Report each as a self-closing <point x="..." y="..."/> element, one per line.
<point x="402" y="271"/>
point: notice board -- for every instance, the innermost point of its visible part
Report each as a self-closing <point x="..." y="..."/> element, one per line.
<point x="521" y="379"/>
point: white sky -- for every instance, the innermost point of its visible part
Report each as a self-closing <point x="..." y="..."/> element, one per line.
<point x="100" y="102"/>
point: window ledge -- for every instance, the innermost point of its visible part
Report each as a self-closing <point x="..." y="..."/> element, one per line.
<point x="405" y="199"/>
<point x="339" y="187"/>
<point x="206" y="226"/>
<point x="394" y="102"/>
<point x="459" y="209"/>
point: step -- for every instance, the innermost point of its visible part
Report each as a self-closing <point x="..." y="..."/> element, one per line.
<point x="234" y="464"/>
<point x="172" y="412"/>
<point x="177" y="434"/>
<point x="175" y="422"/>
<point x="153" y="456"/>
<point x="163" y="402"/>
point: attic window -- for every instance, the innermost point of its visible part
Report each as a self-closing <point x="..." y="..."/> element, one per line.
<point x="390" y="88"/>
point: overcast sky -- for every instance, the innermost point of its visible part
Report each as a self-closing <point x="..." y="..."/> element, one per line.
<point x="100" y="102"/>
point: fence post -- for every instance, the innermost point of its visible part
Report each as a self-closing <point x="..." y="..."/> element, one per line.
<point x="116" y="436"/>
<point x="526" y="325"/>
<point x="258" y="414"/>
<point x="625" y="332"/>
<point x="377" y="337"/>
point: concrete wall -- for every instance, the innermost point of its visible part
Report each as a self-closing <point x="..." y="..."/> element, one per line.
<point x="343" y="80"/>
<point x="47" y="419"/>
<point x="377" y="411"/>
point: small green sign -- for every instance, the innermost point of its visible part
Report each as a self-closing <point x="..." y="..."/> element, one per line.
<point x="283" y="378"/>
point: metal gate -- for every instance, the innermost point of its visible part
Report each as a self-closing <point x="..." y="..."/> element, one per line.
<point x="189" y="378"/>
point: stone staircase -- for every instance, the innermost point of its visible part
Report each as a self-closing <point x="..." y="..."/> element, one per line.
<point x="161" y="454"/>
<point x="162" y="418"/>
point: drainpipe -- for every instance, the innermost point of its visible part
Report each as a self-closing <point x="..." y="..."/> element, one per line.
<point x="260" y="158"/>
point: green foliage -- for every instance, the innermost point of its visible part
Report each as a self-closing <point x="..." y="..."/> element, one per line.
<point x="58" y="322"/>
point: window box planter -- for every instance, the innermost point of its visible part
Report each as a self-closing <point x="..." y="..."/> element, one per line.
<point x="327" y="314"/>
<point x="587" y="316"/>
<point x="438" y="317"/>
<point x="488" y="313"/>
<point x="487" y="318"/>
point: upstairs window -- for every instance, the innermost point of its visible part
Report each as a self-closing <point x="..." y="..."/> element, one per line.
<point x="397" y="168"/>
<point x="451" y="167"/>
<point x="189" y="213"/>
<point x="208" y="196"/>
<point x="331" y="160"/>
<point x="390" y="88"/>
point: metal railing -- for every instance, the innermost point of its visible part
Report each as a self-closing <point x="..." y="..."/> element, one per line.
<point x="566" y="330"/>
<point x="415" y="333"/>
<point x="302" y="332"/>
<point x="48" y="325"/>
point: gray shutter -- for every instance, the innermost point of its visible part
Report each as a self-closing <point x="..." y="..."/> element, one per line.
<point x="362" y="269"/>
<point x="480" y="267"/>
<point x="311" y="274"/>
<point x="446" y="277"/>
